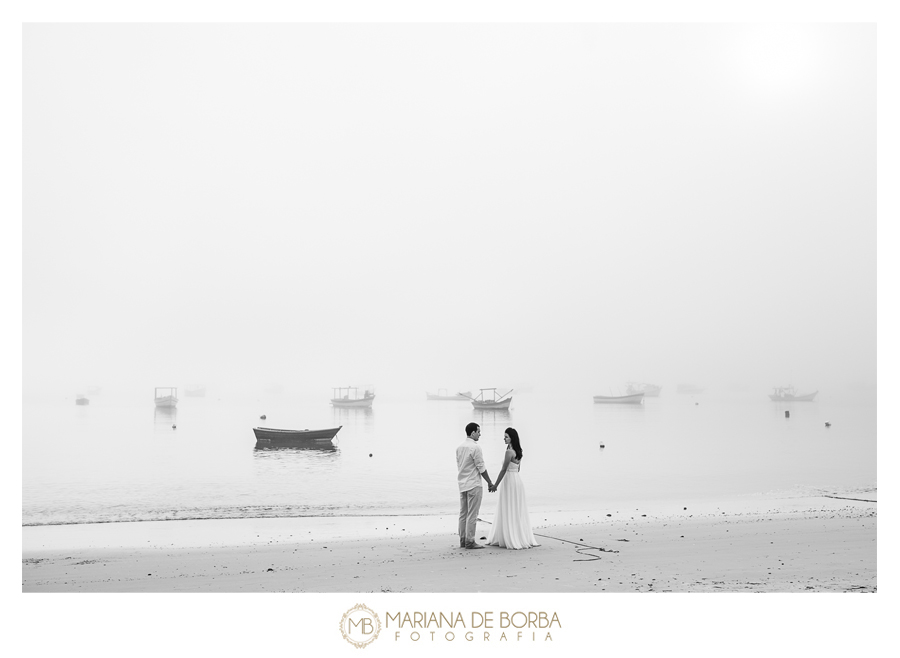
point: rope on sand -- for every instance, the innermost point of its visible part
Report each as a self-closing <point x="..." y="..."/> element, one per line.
<point x="585" y="547"/>
<point x="580" y="550"/>
<point x="862" y="500"/>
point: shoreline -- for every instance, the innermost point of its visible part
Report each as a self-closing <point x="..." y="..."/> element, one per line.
<point x="762" y="543"/>
<point x="656" y="505"/>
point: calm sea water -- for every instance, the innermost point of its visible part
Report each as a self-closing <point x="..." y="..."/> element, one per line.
<point x="117" y="461"/>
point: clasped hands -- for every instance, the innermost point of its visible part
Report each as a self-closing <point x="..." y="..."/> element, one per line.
<point x="492" y="488"/>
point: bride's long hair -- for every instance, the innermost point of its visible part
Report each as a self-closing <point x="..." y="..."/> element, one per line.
<point x="514" y="442"/>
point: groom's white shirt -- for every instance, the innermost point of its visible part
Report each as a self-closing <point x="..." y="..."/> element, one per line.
<point x="470" y="462"/>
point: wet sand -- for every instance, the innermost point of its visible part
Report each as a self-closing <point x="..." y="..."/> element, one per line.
<point x="760" y="544"/>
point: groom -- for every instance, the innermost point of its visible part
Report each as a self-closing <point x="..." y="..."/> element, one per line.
<point x="470" y="464"/>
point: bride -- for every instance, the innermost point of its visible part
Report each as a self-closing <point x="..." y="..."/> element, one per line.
<point x="512" y="527"/>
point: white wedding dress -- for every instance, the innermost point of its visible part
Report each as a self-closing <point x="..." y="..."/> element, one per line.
<point x="512" y="527"/>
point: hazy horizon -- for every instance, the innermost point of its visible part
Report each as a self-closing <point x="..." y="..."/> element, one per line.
<point x="414" y="206"/>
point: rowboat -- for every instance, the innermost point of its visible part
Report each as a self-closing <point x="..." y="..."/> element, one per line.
<point x="649" y="390"/>
<point x="442" y="395"/>
<point x="481" y="402"/>
<point x="633" y="398"/>
<point x="789" y="394"/>
<point x="270" y="437"/>
<point x="341" y="399"/>
<point x="165" y="396"/>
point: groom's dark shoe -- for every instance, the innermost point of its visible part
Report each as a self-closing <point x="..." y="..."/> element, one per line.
<point x="474" y="545"/>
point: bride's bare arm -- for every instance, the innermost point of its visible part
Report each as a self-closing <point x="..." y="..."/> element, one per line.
<point x="508" y="455"/>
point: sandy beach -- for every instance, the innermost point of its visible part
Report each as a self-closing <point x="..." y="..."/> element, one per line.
<point x="757" y="544"/>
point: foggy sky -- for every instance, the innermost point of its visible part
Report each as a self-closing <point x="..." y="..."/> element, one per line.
<point x="448" y="205"/>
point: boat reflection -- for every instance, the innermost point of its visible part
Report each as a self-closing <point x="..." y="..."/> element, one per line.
<point x="164" y="418"/>
<point x="627" y="409"/>
<point x="292" y="457"/>
<point x="326" y="448"/>
<point x="619" y="412"/>
<point x="492" y="420"/>
<point x="353" y="416"/>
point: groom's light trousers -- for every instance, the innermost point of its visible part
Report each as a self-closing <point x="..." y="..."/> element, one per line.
<point x="469" y="504"/>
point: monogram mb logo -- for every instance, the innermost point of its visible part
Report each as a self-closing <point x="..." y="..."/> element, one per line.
<point x="360" y="626"/>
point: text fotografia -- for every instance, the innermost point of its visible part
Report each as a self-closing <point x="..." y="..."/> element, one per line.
<point x="482" y="626"/>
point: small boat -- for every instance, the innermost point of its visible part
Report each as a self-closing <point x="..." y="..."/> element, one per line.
<point x="649" y="390"/>
<point x="633" y="398"/>
<point x="270" y="437"/>
<point x="687" y="389"/>
<point x="341" y="399"/>
<point x="81" y="400"/>
<point x="442" y="395"/>
<point x="482" y="402"/>
<point x="789" y="394"/>
<point x="165" y="396"/>
<point x="195" y="391"/>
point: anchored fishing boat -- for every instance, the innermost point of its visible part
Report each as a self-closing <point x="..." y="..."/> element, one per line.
<point x="789" y="394"/>
<point x="341" y="399"/>
<point x="165" y="396"/>
<point x="482" y="402"/>
<point x="649" y="390"/>
<point x="633" y="398"/>
<point x="80" y="400"/>
<point x="271" y="437"/>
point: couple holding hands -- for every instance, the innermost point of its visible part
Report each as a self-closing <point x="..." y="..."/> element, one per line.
<point x="512" y="527"/>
